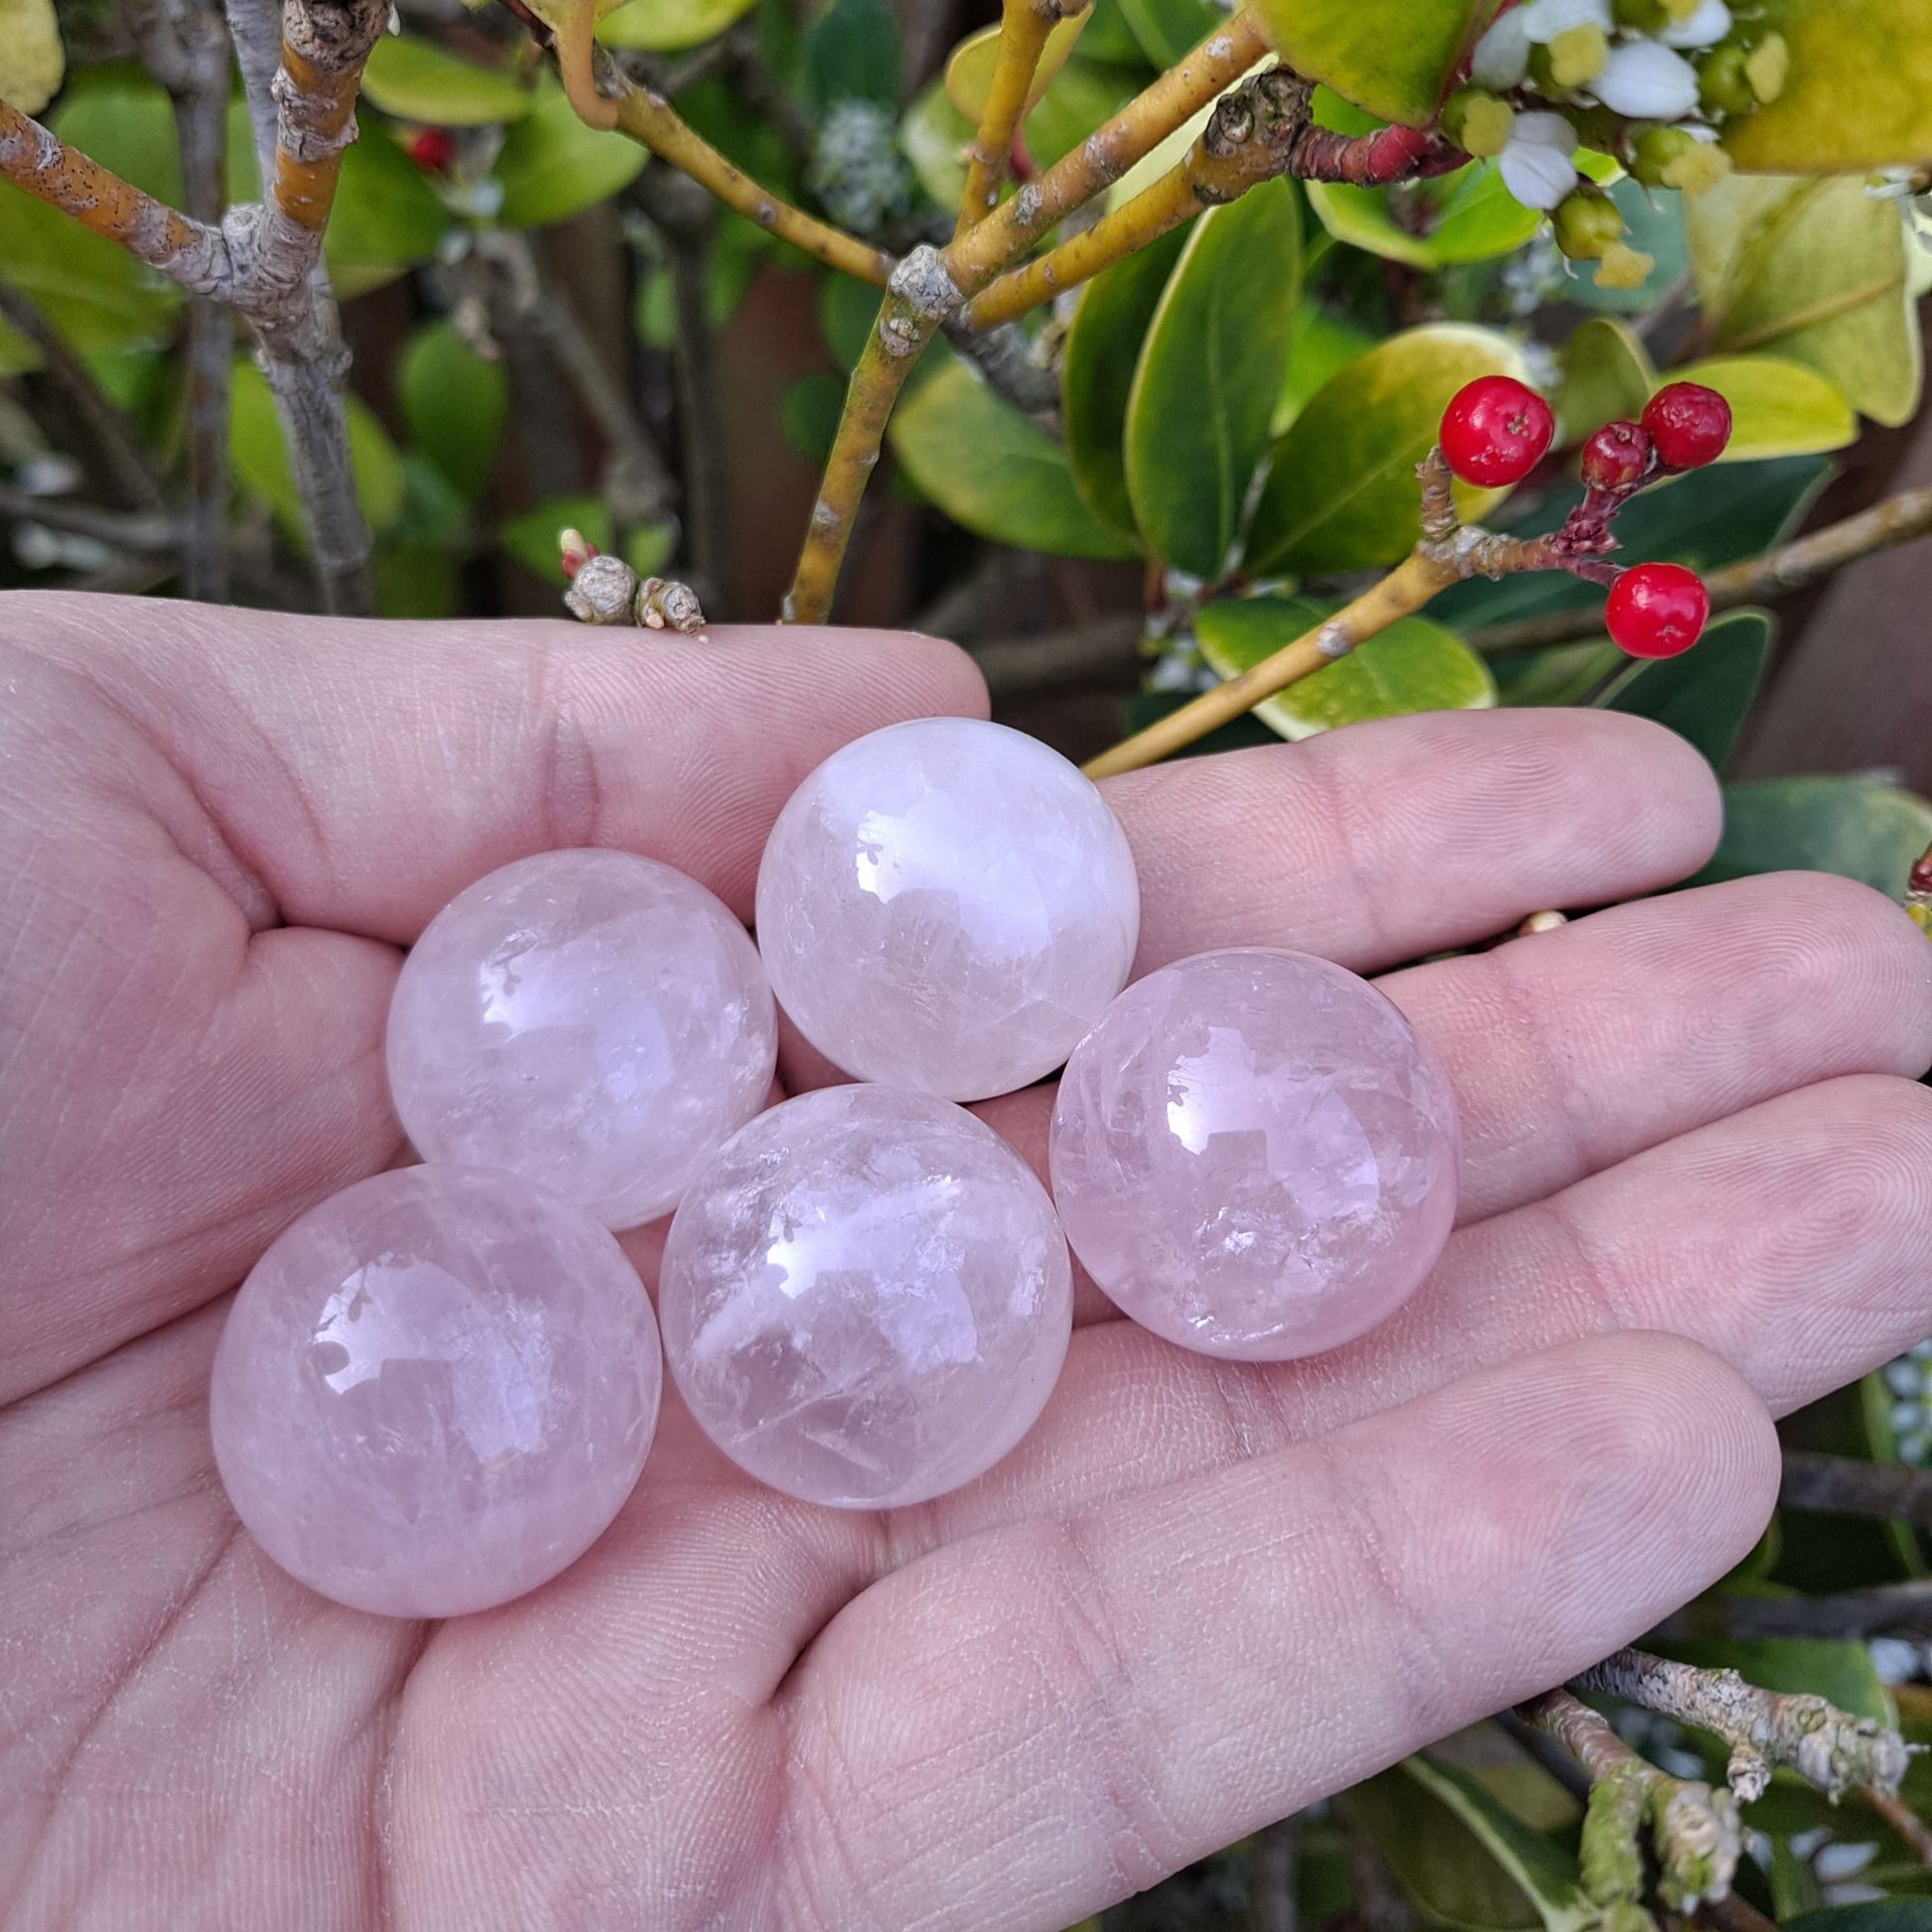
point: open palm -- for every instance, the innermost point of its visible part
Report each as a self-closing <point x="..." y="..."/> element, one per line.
<point x="1198" y="1596"/>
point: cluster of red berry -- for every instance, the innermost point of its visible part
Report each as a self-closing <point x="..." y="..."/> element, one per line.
<point x="1496" y="430"/>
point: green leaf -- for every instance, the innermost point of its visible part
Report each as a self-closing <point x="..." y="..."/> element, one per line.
<point x="96" y="294"/>
<point x="1082" y="97"/>
<point x="1705" y="695"/>
<point x="852" y="53"/>
<point x="1546" y="1875"/>
<point x="124" y="120"/>
<point x="454" y="404"/>
<point x="1412" y="666"/>
<point x="1342" y="493"/>
<point x="994" y="472"/>
<point x="664" y="25"/>
<point x="1167" y="29"/>
<point x="1606" y="375"/>
<point x="1777" y="409"/>
<point x="261" y="461"/>
<point x="531" y="537"/>
<point x="847" y="310"/>
<point x="1859" y="830"/>
<point x="415" y="580"/>
<point x="1208" y="375"/>
<point x="1323" y="345"/>
<point x="1859" y="96"/>
<point x="933" y="136"/>
<point x="553" y="166"/>
<point x="1653" y="220"/>
<point x="1103" y="345"/>
<point x="416" y="80"/>
<point x="1564" y="674"/>
<point x="1467" y="217"/>
<point x="808" y="414"/>
<point x="386" y="216"/>
<point x="1873" y="1916"/>
<point x="969" y="66"/>
<point x="1839" y="1672"/>
<point x="1393" y="58"/>
<point x="1815" y="271"/>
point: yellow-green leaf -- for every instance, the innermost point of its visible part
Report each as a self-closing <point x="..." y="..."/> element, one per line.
<point x="1103" y="346"/>
<point x="1167" y="29"/>
<point x="1816" y="271"/>
<point x="1864" y="831"/>
<point x="261" y="460"/>
<point x="664" y="25"/>
<point x="1469" y="217"/>
<point x="1209" y="373"/>
<point x="1412" y="666"/>
<point x="969" y="68"/>
<point x="553" y="166"/>
<point x="1393" y="58"/>
<point x="416" y="80"/>
<point x="95" y="293"/>
<point x="386" y="216"/>
<point x="1341" y="492"/>
<point x="453" y="403"/>
<point x="32" y="59"/>
<point x="1777" y="409"/>
<point x="992" y="469"/>
<point x="1858" y="94"/>
<point x="933" y="135"/>
<point x="1606" y="375"/>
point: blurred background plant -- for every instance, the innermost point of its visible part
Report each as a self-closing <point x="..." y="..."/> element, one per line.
<point x="1149" y="485"/>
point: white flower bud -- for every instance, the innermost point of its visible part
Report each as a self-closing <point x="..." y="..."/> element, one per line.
<point x="1544" y="20"/>
<point x="1535" y="162"/>
<point x="1705" y="28"/>
<point x="1502" y="55"/>
<point x="1646" y="82"/>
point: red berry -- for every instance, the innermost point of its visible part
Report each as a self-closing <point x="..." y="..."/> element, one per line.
<point x="1495" y="431"/>
<point x="1689" y="424"/>
<point x="1618" y="457"/>
<point x="1657" y="609"/>
<point x="431" y="149"/>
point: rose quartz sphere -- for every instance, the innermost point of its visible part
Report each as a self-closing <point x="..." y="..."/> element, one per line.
<point x="1254" y="1155"/>
<point x="434" y="1391"/>
<point x="866" y="1297"/>
<point x="947" y="905"/>
<point x="592" y="1020"/>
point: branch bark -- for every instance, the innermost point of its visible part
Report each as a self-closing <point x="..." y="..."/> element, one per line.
<point x="1023" y="28"/>
<point x="1828" y="1747"/>
<point x="1885" y="1609"/>
<point x="1847" y="1486"/>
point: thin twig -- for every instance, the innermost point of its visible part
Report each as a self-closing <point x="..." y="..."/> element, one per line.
<point x="1903" y="1822"/>
<point x="1903" y="518"/>
<point x="1826" y="1746"/>
<point x="1847" y="1486"/>
<point x="154" y="532"/>
<point x="1023" y="28"/>
<point x="1885" y="1609"/>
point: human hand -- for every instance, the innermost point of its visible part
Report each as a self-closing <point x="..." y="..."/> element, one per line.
<point x="1197" y="1596"/>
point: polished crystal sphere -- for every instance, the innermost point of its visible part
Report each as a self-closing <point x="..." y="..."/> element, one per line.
<point x="434" y="1391"/>
<point x="592" y="1020"/>
<point x="1254" y="1155"/>
<point x="866" y="1297"/>
<point x="947" y="905"/>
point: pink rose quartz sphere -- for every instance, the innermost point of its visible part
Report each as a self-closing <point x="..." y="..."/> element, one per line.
<point x="1254" y="1155"/>
<point x="592" y="1020"/>
<point x="947" y="905"/>
<point x="866" y="1297"/>
<point x="434" y="1391"/>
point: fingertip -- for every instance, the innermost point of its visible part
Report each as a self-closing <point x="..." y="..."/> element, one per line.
<point x="1684" y="811"/>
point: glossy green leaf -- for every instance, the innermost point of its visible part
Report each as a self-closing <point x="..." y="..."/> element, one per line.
<point x="808" y="413"/>
<point x="1103" y="345"/>
<point x="1323" y="345"/>
<point x="96" y="294"/>
<point x="663" y="26"/>
<point x="969" y="66"/>
<point x="454" y="404"/>
<point x="1548" y="1875"/>
<point x="261" y="461"/>
<point x="1839" y="1672"/>
<point x="1606" y="375"/>
<point x="933" y="136"/>
<point x="1859" y="830"/>
<point x="386" y="217"/>
<point x="989" y="469"/>
<point x="1082" y="95"/>
<point x="1467" y="217"/>
<point x="553" y="166"/>
<point x="415" y="80"/>
<point x="1564" y="674"/>
<point x="851" y="53"/>
<point x="1167" y="29"/>
<point x="1858" y="94"/>
<point x="1209" y="373"/>
<point x="1393" y="58"/>
<point x="1414" y="665"/>
<point x="531" y="537"/>
<point x="1342" y="493"/>
<point x="1705" y="695"/>
<point x="1777" y="409"/>
<point x="435" y="513"/>
<point x="1815" y="272"/>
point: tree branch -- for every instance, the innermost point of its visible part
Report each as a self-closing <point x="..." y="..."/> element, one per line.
<point x="1847" y="1486"/>
<point x="153" y="532"/>
<point x="1884" y="1609"/>
<point x="1694" y="1830"/>
<point x="1826" y="1746"/>
<point x="1023" y="28"/>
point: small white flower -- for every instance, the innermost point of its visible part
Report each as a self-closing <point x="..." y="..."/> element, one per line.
<point x="1646" y="82"/>
<point x="1544" y="20"/>
<point x="1535" y="162"/>
<point x="1705" y="28"/>
<point x="1502" y="55"/>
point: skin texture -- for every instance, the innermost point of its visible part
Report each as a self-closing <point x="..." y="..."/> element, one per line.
<point x="1698" y="1186"/>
